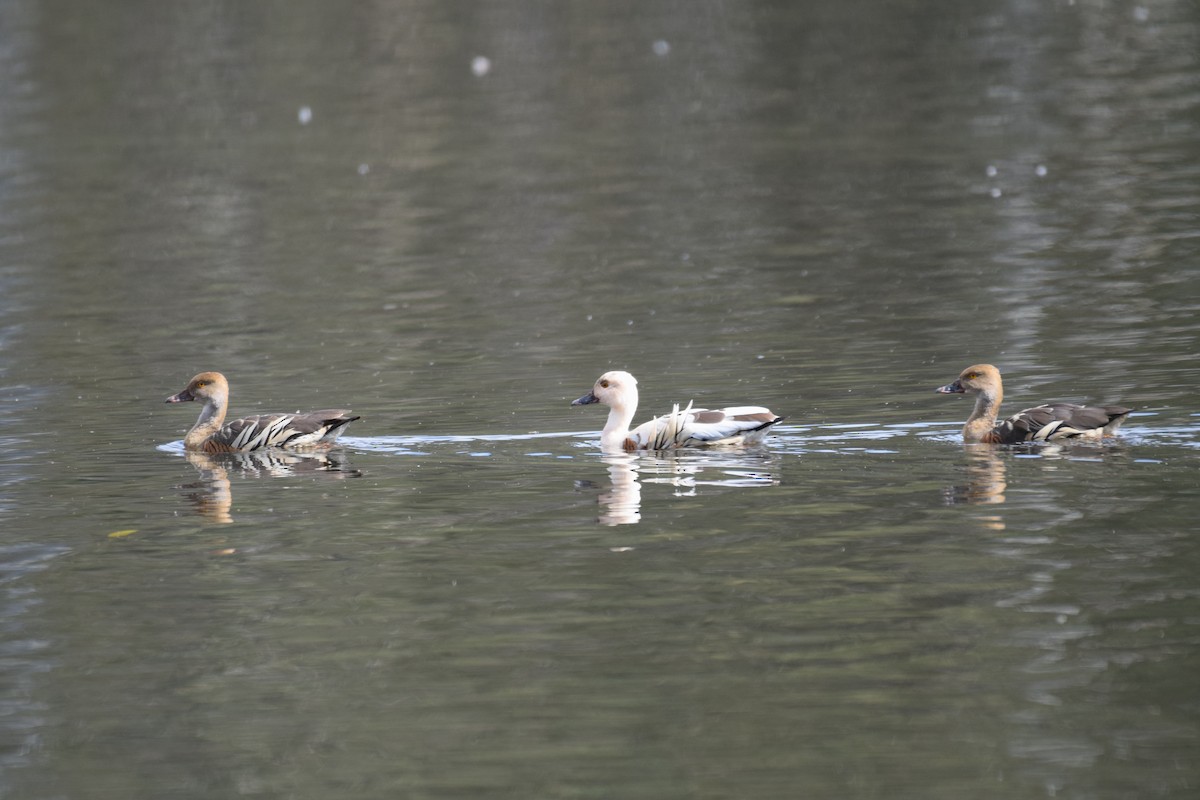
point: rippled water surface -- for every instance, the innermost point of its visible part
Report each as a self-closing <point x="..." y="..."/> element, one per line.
<point x="453" y="217"/>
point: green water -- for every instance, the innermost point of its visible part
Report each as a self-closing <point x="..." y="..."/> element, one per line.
<point x="827" y="209"/>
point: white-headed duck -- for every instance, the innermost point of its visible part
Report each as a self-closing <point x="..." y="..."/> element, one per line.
<point x="688" y="427"/>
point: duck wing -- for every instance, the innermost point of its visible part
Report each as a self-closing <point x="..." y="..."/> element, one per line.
<point x="698" y="427"/>
<point x="280" y="430"/>
<point x="1051" y="421"/>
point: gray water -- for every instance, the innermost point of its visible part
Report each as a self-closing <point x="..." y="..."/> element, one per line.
<point x="825" y="208"/>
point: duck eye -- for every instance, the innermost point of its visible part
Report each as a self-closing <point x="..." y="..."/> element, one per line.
<point x="603" y="384"/>
<point x="972" y="376"/>
<point x="201" y="384"/>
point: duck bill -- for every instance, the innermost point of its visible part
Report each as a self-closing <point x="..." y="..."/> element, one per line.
<point x="182" y="397"/>
<point x="587" y="399"/>
<point x="951" y="388"/>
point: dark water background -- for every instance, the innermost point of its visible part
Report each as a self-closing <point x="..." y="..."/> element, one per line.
<point x="825" y="208"/>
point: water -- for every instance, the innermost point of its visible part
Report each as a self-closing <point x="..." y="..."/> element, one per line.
<point x="827" y="209"/>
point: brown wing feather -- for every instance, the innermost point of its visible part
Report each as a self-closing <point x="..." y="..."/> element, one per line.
<point x="766" y="418"/>
<point x="1067" y="420"/>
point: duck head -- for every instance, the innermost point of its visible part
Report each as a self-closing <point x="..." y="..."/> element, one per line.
<point x="207" y="387"/>
<point x="614" y="389"/>
<point x="977" y="379"/>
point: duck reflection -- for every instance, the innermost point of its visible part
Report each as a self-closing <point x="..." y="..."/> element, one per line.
<point x="212" y="495"/>
<point x="986" y="478"/>
<point x="621" y="504"/>
<point x="1072" y="450"/>
<point x="687" y="471"/>
<point x="621" y="501"/>
<point x="986" y="465"/>
<point x="986" y="482"/>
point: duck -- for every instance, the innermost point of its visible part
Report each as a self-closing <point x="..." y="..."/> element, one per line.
<point x="286" y="431"/>
<point x="1045" y="423"/>
<point x="687" y="427"/>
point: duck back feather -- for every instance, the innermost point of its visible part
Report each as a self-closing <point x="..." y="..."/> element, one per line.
<point x="1053" y="421"/>
<point x="288" y="431"/>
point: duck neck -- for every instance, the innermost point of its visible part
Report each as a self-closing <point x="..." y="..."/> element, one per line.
<point x="616" y="429"/>
<point x="209" y="422"/>
<point x="983" y="418"/>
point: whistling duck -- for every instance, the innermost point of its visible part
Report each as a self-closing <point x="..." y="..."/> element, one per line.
<point x="1041" y="423"/>
<point x="290" y="431"/>
<point x="689" y="427"/>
